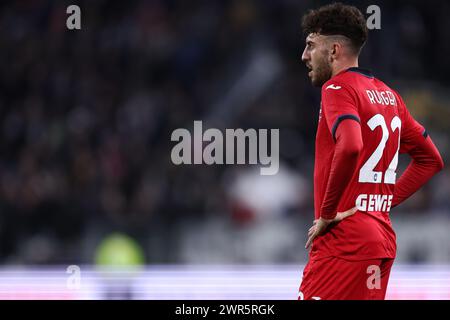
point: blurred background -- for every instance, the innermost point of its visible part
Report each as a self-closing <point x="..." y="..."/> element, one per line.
<point x="86" y="118"/>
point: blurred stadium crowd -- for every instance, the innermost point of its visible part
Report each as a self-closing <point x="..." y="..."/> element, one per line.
<point x="86" y="119"/>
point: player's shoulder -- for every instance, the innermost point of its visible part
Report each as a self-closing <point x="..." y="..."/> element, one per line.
<point x="336" y="84"/>
<point x="337" y="89"/>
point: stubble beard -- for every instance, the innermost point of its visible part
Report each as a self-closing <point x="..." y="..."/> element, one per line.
<point x="322" y="72"/>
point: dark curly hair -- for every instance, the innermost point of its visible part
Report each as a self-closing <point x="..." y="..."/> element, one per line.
<point x="337" y="19"/>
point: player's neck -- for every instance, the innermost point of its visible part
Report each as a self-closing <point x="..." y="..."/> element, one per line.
<point x="344" y="65"/>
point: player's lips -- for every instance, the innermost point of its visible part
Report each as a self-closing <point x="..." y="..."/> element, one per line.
<point x="310" y="70"/>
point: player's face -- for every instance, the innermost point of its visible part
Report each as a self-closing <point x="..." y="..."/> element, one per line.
<point x="316" y="57"/>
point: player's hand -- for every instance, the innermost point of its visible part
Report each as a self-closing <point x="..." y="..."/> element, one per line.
<point x="317" y="228"/>
<point x="320" y="225"/>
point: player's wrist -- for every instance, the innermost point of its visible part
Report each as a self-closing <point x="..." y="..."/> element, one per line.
<point x="327" y="218"/>
<point x="327" y="214"/>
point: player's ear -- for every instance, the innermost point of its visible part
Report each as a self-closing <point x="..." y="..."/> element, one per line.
<point x="333" y="52"/>
<point x="335" y="49"/>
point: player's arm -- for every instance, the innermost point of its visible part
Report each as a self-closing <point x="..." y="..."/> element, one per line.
<point x="342" y="118"/>
<point x="425" y="163"/>
<point x="349" y="145"/>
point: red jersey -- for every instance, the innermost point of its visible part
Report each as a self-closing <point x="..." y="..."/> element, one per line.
<point x="387" y="128"/>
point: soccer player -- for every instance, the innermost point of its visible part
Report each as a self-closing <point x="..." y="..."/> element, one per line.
<point x="363" y="125"/>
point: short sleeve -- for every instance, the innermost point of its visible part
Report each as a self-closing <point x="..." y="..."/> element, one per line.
<point x="338" y="104"/>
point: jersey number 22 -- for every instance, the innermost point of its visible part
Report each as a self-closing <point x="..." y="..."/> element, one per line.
<point x="367" y="173"/>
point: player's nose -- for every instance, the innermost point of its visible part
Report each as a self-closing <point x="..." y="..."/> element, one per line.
<point x="305" y="56"/>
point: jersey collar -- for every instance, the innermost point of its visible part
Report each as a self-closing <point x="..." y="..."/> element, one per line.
<point x="364" y="72"/>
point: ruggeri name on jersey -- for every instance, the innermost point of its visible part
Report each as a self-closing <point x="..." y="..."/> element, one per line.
<point x="381" y="97"/>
